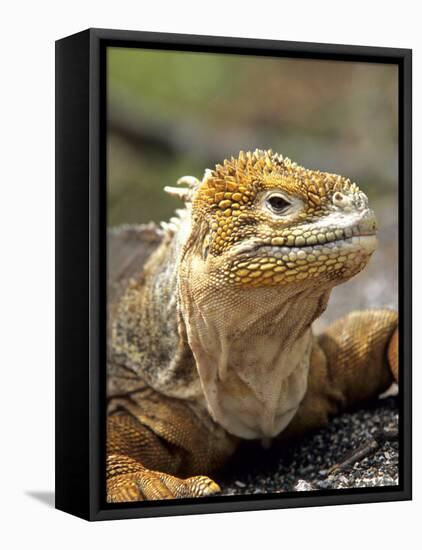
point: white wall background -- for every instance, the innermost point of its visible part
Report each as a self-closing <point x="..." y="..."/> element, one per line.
<point x="27" y="272"/>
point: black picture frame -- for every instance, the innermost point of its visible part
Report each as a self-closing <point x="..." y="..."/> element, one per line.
<point x="81" y="271"/>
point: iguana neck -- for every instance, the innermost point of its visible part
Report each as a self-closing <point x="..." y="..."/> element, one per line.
<point x="252" y="353"/>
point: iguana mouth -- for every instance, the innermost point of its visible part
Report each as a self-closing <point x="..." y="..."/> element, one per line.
<point x="269" y="265"/>
<point x="355" y="240"/>
<point x="309" y="238"/>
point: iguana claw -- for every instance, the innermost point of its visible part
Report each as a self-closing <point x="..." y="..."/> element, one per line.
<point x="152" y="485"/>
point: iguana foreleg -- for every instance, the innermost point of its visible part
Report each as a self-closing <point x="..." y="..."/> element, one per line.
<point x="354" y="360"/>
<point x="133" y="450"/>
<point x="152" y="439"/>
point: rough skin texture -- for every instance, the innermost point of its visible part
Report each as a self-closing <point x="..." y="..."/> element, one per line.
<point x="211" y="341"/>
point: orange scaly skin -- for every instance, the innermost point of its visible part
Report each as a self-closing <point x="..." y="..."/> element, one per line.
<point x="211" y="341"/>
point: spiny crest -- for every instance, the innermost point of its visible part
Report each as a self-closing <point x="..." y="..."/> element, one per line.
<point x="184" y="193"/>
<point x="248" y="166"/>
<point x="232" y="186"/>
<point x="235" y="183"/>
<point x="173" y="225"/>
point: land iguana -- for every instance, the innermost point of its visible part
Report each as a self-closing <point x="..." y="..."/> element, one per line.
<point x="211" y="340"/>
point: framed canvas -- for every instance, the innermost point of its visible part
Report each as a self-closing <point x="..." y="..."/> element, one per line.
<point x="233" y="272"/>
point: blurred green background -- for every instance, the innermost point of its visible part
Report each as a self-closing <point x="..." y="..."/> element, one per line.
<point x="176" y="113"/>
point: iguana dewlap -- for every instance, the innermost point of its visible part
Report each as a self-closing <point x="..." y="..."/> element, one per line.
<point x="211" y="342"/>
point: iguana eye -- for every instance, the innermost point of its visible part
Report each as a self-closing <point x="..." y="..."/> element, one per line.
<point x="277" y="203"/>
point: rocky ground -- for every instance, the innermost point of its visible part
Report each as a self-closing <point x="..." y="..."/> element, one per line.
<point x="305" y="465"/>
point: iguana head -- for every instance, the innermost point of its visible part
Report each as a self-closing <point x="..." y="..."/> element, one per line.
<point x="261" y="220"/>
<point x="266" y="243"/>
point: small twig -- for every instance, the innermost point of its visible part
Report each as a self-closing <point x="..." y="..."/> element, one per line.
<point x="366" y="449"/>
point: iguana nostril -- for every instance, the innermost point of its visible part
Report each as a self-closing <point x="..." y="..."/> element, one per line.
<point x="342" y="201"/>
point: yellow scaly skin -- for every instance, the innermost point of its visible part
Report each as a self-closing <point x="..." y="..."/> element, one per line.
<point x="211" y="342"/>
